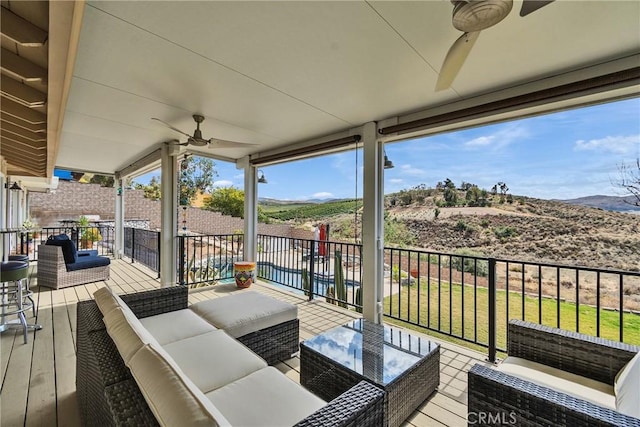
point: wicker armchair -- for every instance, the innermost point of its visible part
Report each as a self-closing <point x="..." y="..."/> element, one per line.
<point x="52" y="270"/>
<point x="511" y="400"/>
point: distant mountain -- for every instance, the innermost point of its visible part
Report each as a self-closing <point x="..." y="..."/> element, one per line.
<point x="608" y="203"/>
<point x="265" y="201"/>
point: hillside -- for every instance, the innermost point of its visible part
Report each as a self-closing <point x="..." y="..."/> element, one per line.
<point x="536" y="230"/>
<point x="527" y="229"/>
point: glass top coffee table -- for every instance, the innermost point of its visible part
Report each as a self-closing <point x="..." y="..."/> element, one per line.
<point x="405" y="366"/>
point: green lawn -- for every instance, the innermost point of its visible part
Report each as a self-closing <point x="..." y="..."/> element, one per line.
<point x="405" y="306"/>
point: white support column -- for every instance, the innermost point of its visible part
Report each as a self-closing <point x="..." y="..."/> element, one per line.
<point x="168" y="216"/>
<point x="372" y="225"/>
<point x="118" y="248"/>
<point x="250" y="211"/>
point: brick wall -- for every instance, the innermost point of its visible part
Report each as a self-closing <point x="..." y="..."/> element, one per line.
<point x="73" y="199"/>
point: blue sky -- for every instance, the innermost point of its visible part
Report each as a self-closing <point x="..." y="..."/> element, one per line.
<point x="563" y="155"/>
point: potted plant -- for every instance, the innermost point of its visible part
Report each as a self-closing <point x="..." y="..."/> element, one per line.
<point x="30" y="231"/>
<point x="88" y="235"/>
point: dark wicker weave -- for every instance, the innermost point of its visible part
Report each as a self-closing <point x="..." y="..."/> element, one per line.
<point x="328" y="379"/>
<point x="276" y="343"/>
<point x="508" y="398"/>
<point x="109" y="396"/>
<point x="361" y="405"/>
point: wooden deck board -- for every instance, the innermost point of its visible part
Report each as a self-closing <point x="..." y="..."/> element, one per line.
<point x="41" y="403"/>
<point x="38" y="379"/>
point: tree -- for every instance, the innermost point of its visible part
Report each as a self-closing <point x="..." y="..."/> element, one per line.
<point x="152" y="191"/>
<point x="196" y="174"/>
<point x="227" y="201"/>
<point x="629" y="180"/>
<point x="103" y="180"/>
<point x="450" y="193"/>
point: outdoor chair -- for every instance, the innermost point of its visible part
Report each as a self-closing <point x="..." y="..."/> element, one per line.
<point x="60" y="265"/>
<point x="557" y="377"/>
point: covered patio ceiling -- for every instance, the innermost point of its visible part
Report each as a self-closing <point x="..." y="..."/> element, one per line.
<point x="282" y="74"/>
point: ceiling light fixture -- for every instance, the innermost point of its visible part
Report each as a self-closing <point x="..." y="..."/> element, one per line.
<point x="261" y="178"/>
<point x="388" y="164"/>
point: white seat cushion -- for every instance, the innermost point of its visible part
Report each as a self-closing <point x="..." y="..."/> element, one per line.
<point x="627" y="388"/>
<point x="214" y="359"/>
<point x="574" y="385"/>
<point x="245" y="312"/>
<point x="172" y="397"/>
<point x="176" y="325"/>
<point x="265" y="398"/>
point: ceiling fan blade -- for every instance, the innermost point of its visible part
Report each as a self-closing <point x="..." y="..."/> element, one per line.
<point x="529" y="6"/>
<point x="171" y="127"/>
<point x="221" y="143"/>
<point x="455" y="59"/>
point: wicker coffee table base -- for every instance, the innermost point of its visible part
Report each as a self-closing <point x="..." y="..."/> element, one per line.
<point x="327" y="379"/>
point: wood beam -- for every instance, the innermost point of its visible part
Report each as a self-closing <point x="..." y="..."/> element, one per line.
<point x="14" y="109"/>
<point x="15" y="159"/>
<point x="41" y="128"/>
<point x="21" y="68"/>
<point x="28" y="153"/>
<point x="17" y="130"/>
<point x="21" y="140"/>
<point x="21" y="31"/>
<point x="19" y="92"/>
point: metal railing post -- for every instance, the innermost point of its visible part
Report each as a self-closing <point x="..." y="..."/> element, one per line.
<point x="133" y="245"/>
<point x="492" y="311"/>
<point x="181" y="260"/>
<point x="159" y="245"/>
<point x="312" y="273"/>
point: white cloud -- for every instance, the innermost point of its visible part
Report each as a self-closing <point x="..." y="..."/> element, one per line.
<point x="500" y="138"/>
<point x="481" y="141"/>
<point x="614" y="144"/>
<point x="322" y="195"/>
<point x="239" y="176"/>
<point x="396" y="181"/>
<point x="407" y="169"/>
<point x="223" y="183"/>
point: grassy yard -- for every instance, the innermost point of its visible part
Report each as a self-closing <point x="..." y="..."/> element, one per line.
<point x="459" y="315"/>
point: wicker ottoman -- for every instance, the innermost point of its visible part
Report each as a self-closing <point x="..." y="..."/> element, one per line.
<point x="267" y="326"/>
<point x="406" y="367"/>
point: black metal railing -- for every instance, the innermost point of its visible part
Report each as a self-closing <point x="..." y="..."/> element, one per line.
<point x="312" y="267"/>
<point x="95" y="237"/>
<point x="472" y="298"/>
<point x="206" y="259"/>
<point x="143" y="246"/>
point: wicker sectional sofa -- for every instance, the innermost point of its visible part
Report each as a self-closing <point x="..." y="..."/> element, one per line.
<point x="126" y="376"/>
<point x="554" y="377"/>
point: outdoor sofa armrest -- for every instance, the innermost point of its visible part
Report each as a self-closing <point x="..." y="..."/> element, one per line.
<point x="497" y="398"/>
<point x="591" y="357"/>
<point x="362" y="405"/>
<point x="157" y="301"/>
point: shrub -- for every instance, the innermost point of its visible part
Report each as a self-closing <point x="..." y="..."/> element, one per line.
<point x="470" y="265"/>
<point x="505" y="232"/>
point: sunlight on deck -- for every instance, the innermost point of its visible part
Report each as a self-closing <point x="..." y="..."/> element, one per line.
<point x="38" y="378"/>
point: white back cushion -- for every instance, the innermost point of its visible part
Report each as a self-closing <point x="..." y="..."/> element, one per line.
<point x="172" y="397"/>
<point x="105" y="300"/>
<point x="627" y="388"/>
<point x="124" y="328"/>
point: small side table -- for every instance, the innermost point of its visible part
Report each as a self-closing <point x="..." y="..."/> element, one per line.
<point x="405" y="366"/>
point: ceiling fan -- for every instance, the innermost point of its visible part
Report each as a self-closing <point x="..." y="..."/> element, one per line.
<point x="471" y="17"/>
<point x="198" y="141"/>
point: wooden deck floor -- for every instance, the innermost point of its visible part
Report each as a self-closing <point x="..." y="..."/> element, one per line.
<point x="38" y="378"/>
